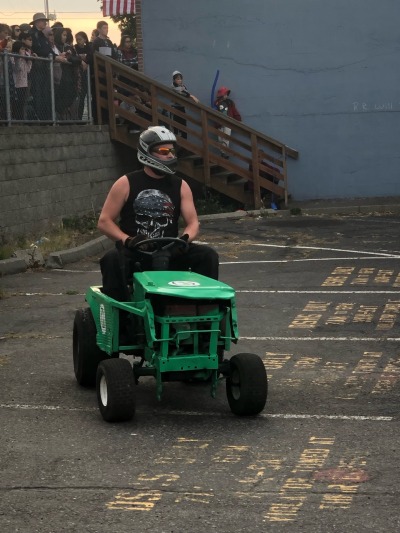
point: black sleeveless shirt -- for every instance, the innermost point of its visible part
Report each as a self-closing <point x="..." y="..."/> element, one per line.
<point x="153" y="207"/>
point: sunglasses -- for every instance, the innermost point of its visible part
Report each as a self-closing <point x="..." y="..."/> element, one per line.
<point x="165" y="151"/>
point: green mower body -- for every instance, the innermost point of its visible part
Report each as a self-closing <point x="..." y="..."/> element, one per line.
<point x="180" y="325"/>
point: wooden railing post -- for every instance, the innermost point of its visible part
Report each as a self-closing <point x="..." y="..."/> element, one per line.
<point x="205" y="148"/>
<point x="284" y="172"/>
<point x="154" y="104"/>
<point x="256" y="171"/>
<point x="110" y="100"/>
<point x="97" y="90"/>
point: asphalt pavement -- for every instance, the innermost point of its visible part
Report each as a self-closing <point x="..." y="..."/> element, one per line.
<point x="318" y="299"/>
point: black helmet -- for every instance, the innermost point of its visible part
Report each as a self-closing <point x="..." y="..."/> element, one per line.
<point x="150" y="138"/>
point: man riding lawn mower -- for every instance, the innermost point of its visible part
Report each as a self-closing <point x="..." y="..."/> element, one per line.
<point x="161" y="300"/>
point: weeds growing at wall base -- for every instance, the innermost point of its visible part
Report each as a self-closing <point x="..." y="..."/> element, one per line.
<point x="69" y="233"/>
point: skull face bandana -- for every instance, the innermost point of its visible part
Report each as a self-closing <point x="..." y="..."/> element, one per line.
<point x="154" y="213"/>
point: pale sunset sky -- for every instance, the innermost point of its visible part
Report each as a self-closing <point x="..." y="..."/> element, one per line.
<point x="79" y="15"/>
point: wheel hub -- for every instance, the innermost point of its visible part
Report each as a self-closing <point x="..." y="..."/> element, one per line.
<point x="103" y="391"/>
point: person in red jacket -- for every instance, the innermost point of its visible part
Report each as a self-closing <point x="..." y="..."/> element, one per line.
<point x="227" y="107"/>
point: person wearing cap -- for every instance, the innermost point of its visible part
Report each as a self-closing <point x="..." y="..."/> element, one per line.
<point x="148" y="204"/>
<point x="40" y="43"/>
<point x="227" y="107"/>
<point x="40" y="76"/>
<point x="179" y="87"/>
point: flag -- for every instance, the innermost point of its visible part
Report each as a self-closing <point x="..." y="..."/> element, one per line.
<point x="112" y="8"/>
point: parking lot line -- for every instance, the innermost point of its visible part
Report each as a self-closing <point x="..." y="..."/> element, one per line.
<point x="323" y="339"/>
<point x="282" y="291"/>
<point x="204" y="413"/>
<point x="324" y="249"/>
<point x="240" y="291"/>
<point x="310" y="259"/>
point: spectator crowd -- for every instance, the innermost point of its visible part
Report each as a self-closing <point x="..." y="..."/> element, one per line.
<point x="36" y="58"/>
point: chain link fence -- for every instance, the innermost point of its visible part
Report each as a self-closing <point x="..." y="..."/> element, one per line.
<point x="39" y="90"/>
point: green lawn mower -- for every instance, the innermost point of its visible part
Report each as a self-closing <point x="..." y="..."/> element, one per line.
<point x="180" y="326"/>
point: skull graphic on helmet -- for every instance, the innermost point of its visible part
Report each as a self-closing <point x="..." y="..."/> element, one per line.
<point x="153" y="213"/>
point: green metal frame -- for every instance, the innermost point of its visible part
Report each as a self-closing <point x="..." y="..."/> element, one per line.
<point x="170" y="343"/>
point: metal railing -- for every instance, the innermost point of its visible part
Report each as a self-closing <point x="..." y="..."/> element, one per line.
<point x="36" y="90"/>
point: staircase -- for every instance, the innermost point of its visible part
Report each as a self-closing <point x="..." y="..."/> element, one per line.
<point x="130" y="102"/>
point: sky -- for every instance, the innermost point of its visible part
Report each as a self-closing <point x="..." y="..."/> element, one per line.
<point x="79" y="15"/>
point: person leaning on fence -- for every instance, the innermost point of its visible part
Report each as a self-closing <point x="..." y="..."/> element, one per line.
<point x="227" y="107"/>
<point x="57" y="71"/>
<point x="129" y="56"/>
<point x="26" y="39"/>
<point x="66" y="93"/>
<point x="104" y="46"/>
<point x="5" y="39"/>
<point x="180" y="88"/>
<point x="21" y="66"/>
<point x="82" y="48"/>
<point x="40" y="77"/>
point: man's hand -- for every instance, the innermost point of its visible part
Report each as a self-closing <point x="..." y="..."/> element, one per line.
<point x="179" y="248"/>
<point x="131" y="242"/>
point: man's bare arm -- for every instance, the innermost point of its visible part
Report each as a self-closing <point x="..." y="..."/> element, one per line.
<point x="188" y="212"/>
<point x="115" y="201"/>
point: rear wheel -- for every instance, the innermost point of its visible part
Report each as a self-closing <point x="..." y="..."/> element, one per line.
<point x="246" y="384"/>
<point x="86" y="354"/>
<point x="115" y="387"/>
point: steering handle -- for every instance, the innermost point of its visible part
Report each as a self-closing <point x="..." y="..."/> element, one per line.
<point x="160" y="244"/>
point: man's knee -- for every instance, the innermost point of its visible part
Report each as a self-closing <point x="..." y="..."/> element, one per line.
<point x="113" y="270"/>
<point x="213" y="263"/>
<point x="110" y="261"/>
<point x="206" y="261"/>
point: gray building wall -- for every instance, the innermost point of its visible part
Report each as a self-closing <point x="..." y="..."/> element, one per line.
<point x="321" y="76"/>
<point x="47" y="173"/>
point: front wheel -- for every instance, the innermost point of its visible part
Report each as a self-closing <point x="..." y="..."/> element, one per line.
<point x="115" y="387"/>
<point x="246" y="384"/>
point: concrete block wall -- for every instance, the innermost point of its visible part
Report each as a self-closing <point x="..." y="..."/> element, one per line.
<point x="47" y="173"/>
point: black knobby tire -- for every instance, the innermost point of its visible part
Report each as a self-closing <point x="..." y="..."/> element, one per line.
<point x="87" y="355"/>
<point x="246" y="384"/>
<point x="115" y="387"/>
